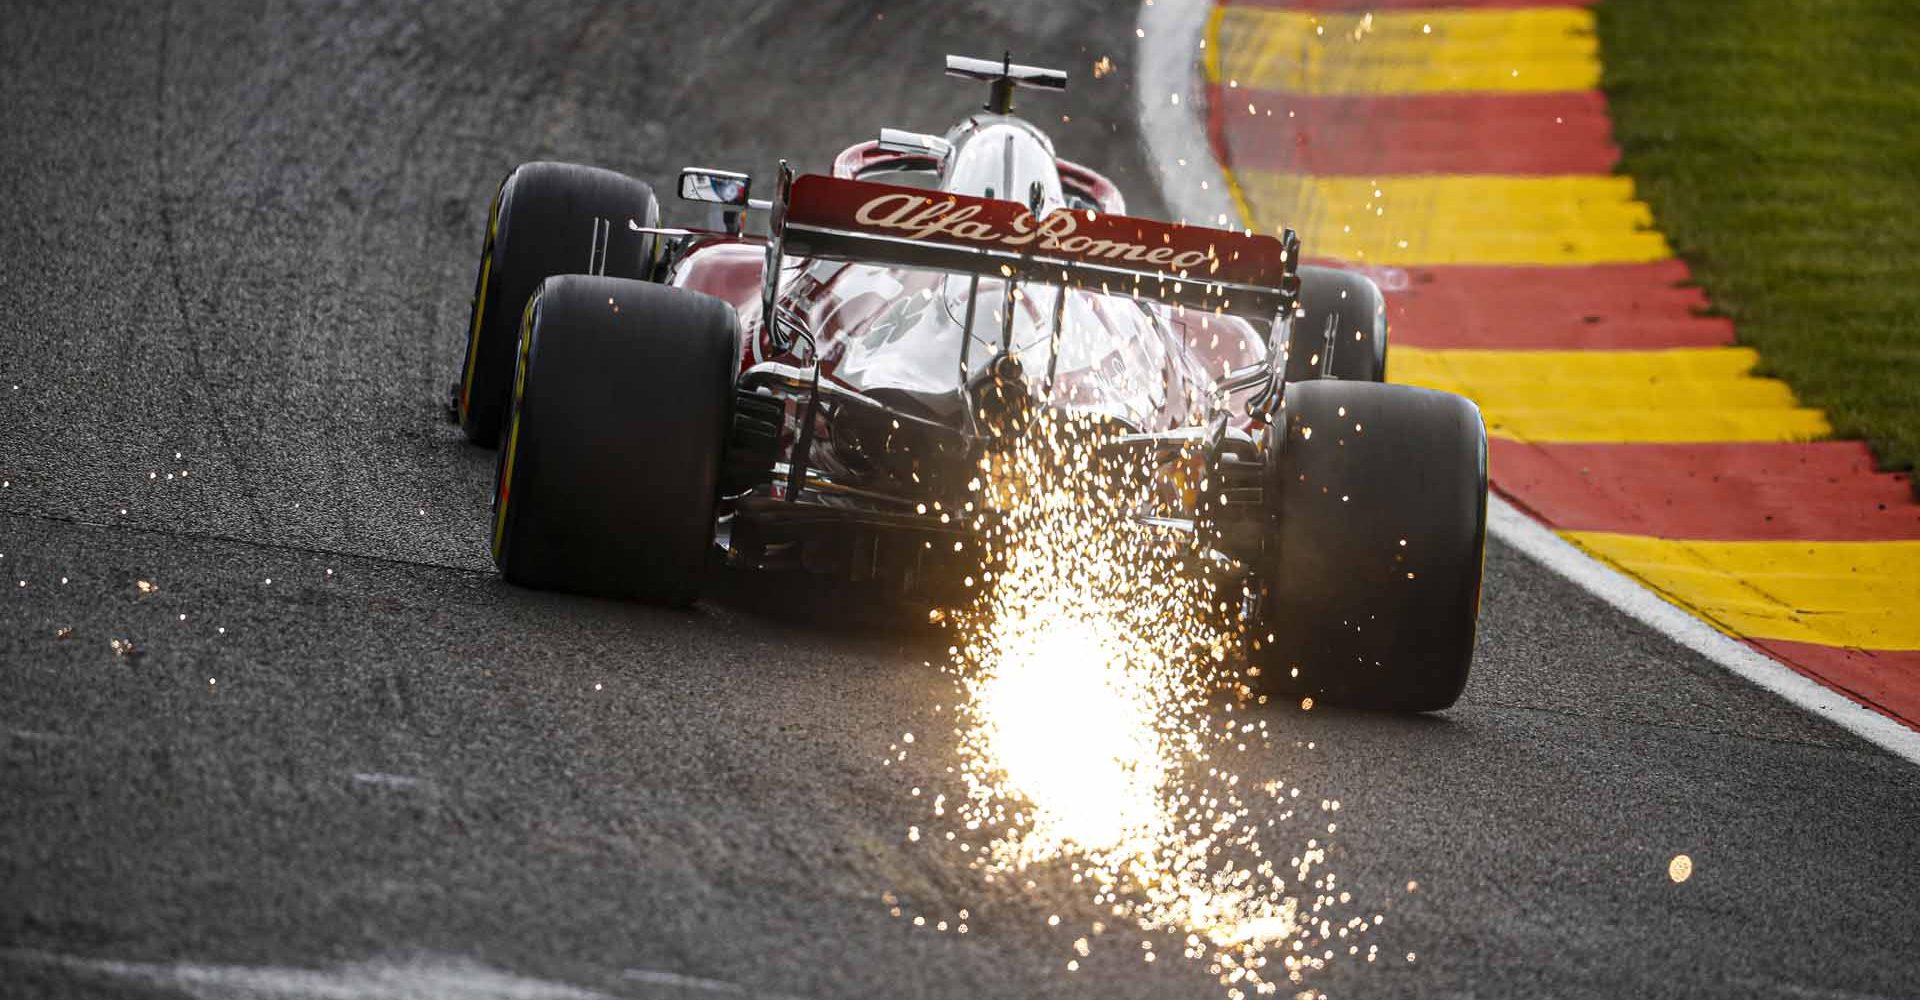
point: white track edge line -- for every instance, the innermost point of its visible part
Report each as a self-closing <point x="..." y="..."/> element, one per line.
<point x="1516" y="528"/>
<point x="1171" y="36"/>
<point x="1171" y="33"/>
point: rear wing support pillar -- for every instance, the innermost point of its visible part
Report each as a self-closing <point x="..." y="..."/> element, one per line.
<point x="1269" y="375"/>
<point x="770" y="281"/>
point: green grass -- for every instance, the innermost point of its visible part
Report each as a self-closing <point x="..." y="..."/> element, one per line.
<point x="1778" y="142"/>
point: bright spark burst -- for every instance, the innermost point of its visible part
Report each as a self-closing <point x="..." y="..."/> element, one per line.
<point x="1090" y="673"/>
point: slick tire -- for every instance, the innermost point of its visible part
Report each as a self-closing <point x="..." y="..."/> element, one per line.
<point x="546" y="219"/>
<point x="1343" y="310"/>
<point x="609" y="470"/>
<point x="1377" y="505"/>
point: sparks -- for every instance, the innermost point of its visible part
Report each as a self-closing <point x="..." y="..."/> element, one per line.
<point x="1088" y="677"/>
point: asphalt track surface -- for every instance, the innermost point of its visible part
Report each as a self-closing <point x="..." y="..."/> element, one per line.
<point x="246" y="235"/>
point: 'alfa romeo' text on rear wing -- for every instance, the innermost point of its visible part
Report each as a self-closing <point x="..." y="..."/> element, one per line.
<point x="1194" y="266"/>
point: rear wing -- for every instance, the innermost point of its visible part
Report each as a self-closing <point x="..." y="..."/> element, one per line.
<point x="1214" y="270"/>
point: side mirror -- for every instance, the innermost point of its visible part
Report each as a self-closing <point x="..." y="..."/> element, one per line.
<point x="715" y="187"/>
<point x="899" y="140"/>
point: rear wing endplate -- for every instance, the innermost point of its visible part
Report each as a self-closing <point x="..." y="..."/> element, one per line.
<point x="1214" y="270"/>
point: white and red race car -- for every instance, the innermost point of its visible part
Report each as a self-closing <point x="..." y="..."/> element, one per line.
<point x="821" y="395"/>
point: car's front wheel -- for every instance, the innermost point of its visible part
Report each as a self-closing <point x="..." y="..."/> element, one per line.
<point x="546" y="219"/>
<point x="1341" y="329"/>
<point x="609" y="471"/>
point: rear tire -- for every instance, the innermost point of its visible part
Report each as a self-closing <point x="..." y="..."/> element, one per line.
<point x="1377" y="499"/>
<point x="610" y="469"/>
<point x="1357" y="312"/>
<point x="546" y="219"/>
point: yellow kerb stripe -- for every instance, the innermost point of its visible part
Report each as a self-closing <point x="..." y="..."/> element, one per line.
<point x="1834" y="593"/>
<point x="1409" y="52"/>
<point x="1667" y="396"/>
<point x="1458" y="218"/>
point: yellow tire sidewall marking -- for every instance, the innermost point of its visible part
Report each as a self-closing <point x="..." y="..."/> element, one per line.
<point x="480" y="299"/>
<point x="504" y="496"/>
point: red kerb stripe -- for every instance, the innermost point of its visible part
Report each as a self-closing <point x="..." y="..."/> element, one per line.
<point x="1888" y="680"/>
<point x="1819" y="491"/>
<point x="1602" y="306"/>
<point x="1534" y="134"/>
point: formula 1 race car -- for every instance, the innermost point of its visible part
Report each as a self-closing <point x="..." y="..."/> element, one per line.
<point x="818" y="397"/>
